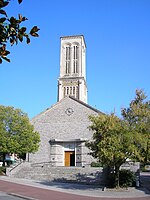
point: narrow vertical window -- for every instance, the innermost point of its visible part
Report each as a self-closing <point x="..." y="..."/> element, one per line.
<point x="74" y="52"/>
<point x="67" y="90"/>
<point x="67" y="60"/>
<point x="70" y="90"/>
<point x="64" y="91"/>
<point x="66" y="67"/>
<point x="74" y="91"/>
<point x="75" y="59"/>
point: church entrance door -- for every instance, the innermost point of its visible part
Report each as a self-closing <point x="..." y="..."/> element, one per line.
<point x="69" y="158"/>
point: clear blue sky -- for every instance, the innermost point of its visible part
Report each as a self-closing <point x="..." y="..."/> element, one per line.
<point x="117" y="35"/>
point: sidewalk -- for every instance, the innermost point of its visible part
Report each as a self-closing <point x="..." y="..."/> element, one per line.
<point x="82" y="190"/>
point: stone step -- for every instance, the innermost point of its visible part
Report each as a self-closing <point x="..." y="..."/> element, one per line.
<point x="61" y="174"/>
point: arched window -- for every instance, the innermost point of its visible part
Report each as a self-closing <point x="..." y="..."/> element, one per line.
<point x="75" y="59"/>
<point x="68" y="59"/>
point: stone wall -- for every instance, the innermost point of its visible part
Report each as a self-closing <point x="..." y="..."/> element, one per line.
<point x="56" y="124"/>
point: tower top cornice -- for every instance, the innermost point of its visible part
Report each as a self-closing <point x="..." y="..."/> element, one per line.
<point x="73" y="37"/>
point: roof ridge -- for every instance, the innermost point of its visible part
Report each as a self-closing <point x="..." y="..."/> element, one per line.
<point x="85" y="104"/>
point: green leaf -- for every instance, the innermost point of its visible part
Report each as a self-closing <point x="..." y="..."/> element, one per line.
<point x="12" y="41"/>
<point x="20" y="37"/>
<point x="12" y="20"/>
<point x="2" y="19"/>
<point x="24" y="19"/>
<point x="34" y="34"/>
<point x="3" y="12"/>
<point x="19" y="1"/>
<point x="20" y="17"/>
<point x="23" y="29"/>
<point x="3" y="3"/>
<point x="6" y="53"/>
<point x="34" y="30"/>
<point x="28" y="40"/>
<point x="7" y="59"/>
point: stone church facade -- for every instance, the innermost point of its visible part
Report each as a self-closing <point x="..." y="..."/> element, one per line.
<point x="63" y="127"/>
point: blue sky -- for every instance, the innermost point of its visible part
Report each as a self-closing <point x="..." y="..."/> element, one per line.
<point x="117" y="35"/>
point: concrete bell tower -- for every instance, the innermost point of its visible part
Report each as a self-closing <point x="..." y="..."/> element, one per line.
<point x="72" y="79"/>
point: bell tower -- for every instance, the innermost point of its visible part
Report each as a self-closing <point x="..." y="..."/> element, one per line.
<point x="72" y="79"/>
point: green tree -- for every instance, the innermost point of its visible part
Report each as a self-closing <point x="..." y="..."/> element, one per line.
<point x="117" y="139"/>
<point x="11" y="31"/>
<point x="17" y="135"/>
<point x="138" y="117"/>
<point x="112" y="142"/>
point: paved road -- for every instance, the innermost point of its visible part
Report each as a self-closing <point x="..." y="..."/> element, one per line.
<point x="47" y="191"/>
<point x="4" y="196"/>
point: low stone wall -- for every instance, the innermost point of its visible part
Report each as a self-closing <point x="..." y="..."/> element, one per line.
<point x="132" y="166"/>
<point x="17" y="167"/>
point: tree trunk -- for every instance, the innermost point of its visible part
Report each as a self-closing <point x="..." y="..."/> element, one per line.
<point x="147" y="155"/>
<point x="117" y="184"/>
<point x="4" y="159"/>
<point x="108" y="177"/>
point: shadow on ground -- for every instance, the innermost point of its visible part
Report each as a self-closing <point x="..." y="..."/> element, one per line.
<point x="81" y="184"/>
<point x="145" y="182"/>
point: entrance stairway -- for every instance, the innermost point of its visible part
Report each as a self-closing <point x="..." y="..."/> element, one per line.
<point x="45" y="172"/>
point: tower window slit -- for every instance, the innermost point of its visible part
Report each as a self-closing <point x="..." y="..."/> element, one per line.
<point x="70" y="90"/>
<point x="75" y="59"/>
<point x="74" y="67"/>
<point x="66" y="67"/>
<point x="64" y="91"/>
<point x="67" y="90"/>
<point x="67" y="60"/>
<point x="74" y="91"/>
<point x="74" y="52"/>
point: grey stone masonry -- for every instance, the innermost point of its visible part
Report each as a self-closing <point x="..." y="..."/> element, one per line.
<point x="45" y="172"/>
<point x="64" y="127"/>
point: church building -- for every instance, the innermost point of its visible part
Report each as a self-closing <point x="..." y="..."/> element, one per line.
<point x="64" y="127"/>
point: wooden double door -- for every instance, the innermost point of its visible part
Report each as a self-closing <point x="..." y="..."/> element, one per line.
<point x="69" y="158"/>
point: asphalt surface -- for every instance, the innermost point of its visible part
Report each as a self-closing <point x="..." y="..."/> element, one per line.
<point x="4" y="196"/>
<point x="17" y="189"/>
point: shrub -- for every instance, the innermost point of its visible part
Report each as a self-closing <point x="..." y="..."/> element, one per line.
<point x="127" y="178"/>
<point x="145" y="167"/>
<point x="96" y="164"/>
<point x="2" y="170"/>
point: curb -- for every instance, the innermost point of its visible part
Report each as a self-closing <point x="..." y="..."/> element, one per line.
<point x="21" y="196"/>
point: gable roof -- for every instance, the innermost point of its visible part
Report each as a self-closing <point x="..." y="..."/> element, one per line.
<point x="74" y="99"/>
<point x="87" y="105"/>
